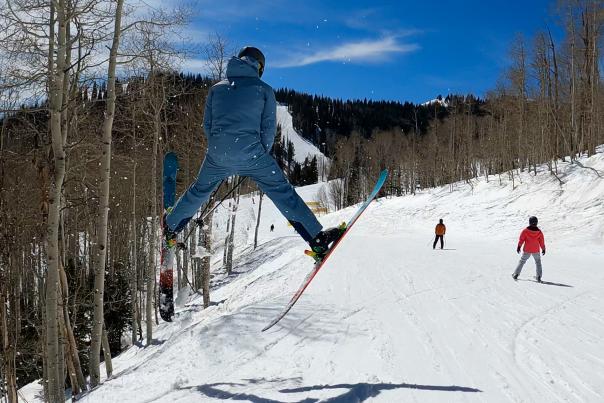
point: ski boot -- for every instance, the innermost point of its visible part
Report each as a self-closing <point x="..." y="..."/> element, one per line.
<point x="538" y="279"/>
<point x="169" y="235"/>
<point x="320" y="245"/>
<point x="515" y="276"/>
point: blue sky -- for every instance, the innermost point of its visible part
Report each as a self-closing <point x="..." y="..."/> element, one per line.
<point x="395" y="50"/>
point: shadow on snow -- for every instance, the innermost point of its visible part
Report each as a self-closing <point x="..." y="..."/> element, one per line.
<point x="357" y="392"/>
<point x="548" y="283"/>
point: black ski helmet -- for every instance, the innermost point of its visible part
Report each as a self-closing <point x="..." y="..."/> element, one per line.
<point x="533" y="221"/>
<point x="254" y="53"/>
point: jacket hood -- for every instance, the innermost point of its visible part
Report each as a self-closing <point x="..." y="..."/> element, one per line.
<point x="533" y="228"/>
<point x="237" y="67"/>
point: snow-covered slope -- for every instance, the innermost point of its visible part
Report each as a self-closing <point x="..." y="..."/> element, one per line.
<point x="442" y="102"/>
<point x="303" y="148"/>
<point x="388" y="319"/>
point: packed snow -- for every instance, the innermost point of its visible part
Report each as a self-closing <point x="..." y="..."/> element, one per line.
<point x="389" y="319"/>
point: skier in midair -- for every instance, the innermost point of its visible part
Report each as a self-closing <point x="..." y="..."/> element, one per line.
<point x="439" y="232"/>
<point x="240" y="126"/>
<point x="532" y="239"/>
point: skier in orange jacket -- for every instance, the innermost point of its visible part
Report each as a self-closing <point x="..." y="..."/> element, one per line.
<point x="440" y="233"/>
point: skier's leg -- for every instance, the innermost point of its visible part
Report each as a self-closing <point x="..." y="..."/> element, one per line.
<point x="271" y="180"/>
<point x="209" y="177"/>
<point x="435" y="241"/>
<point x="521" y="263"/>
<point x="537" y="258"/>
<point x="442" y="241"/>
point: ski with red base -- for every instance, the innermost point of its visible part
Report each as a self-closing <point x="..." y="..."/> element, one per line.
<point x="380" y="182"/>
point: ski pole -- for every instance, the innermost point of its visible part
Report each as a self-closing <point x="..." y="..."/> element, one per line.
<point x="199" y="221"/>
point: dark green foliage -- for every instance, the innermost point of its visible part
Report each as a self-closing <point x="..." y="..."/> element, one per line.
<point x="118" y="306"/>
<point x="321" y="119"/>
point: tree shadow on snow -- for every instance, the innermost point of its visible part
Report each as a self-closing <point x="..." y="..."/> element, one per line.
<point x="556" y="284"/>
<point x="358" y="392"/>
<point x="212" y="390"/>
<point x="154" y="342"/>
<point x="548" y="283"/>
<point x="247" y="261"/>
<point x="306" y="322"/>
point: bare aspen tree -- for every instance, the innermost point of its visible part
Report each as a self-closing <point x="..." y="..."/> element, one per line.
<point x="133" y="243"/>
<point x="202" y="278"/>
<point x="151" y="54"/>
<point x="261" y="196"/>
<point x="231" y="234"/>
<point x="217" y="52"/>
<point x="56" y="77"/>
<point x="518" y="79"/>
<point x="105" y="175"/>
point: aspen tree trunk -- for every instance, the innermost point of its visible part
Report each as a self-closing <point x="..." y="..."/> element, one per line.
<point x="72" y="348"/>
<point x="193" y="262"/>
<point x="258" y="219"/>
<point x="226" y="238"/>
<point x="206" y="260"/>
<point x="8" y="353"/>
<point x="133" y="238"/>
<point x="56" y="69"/>
<point x="134" y="252"/>
<point x="231" y="237"/>
<point x="105" y="175"/>
<point x="199" y="262"/>
<point x="183" y="266"/>
<point x="151" y="267"/>
<point x="573" y="121"/>
<point x="106" y="353"/>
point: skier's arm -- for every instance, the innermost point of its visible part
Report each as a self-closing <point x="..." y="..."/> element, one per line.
<point x="207" y="115"/>
<point x="268" y="127"/>
<point x="444" y="229"/>
<point x="542" y="242"/>
<point x="520" y="242"/>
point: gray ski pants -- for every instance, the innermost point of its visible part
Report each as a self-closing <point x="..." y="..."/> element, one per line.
<point x="525" y="256"/>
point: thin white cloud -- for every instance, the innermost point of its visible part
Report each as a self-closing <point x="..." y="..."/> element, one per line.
<point x="368" y="51"/>
<point x="195" y="66"/>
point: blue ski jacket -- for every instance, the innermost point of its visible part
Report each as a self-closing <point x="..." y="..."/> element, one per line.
<point x="242" y="124"/>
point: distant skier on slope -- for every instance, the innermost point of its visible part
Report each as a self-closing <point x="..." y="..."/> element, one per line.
<point x="440" y="231"/>
<point x="532" y="239"/>
<point x="240" y="125"/>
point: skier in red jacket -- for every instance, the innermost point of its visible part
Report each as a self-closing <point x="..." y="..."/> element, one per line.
<point x="532" y="239"/>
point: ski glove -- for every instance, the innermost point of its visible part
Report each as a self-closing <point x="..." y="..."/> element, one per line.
<point x="518" y="250"/>
<point x="543" y="253"/>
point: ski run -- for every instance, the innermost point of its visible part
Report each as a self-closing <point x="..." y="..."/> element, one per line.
<point x="389" y="319"/>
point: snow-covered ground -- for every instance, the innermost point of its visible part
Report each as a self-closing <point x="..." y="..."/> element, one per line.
<point x="388" y="319"/>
